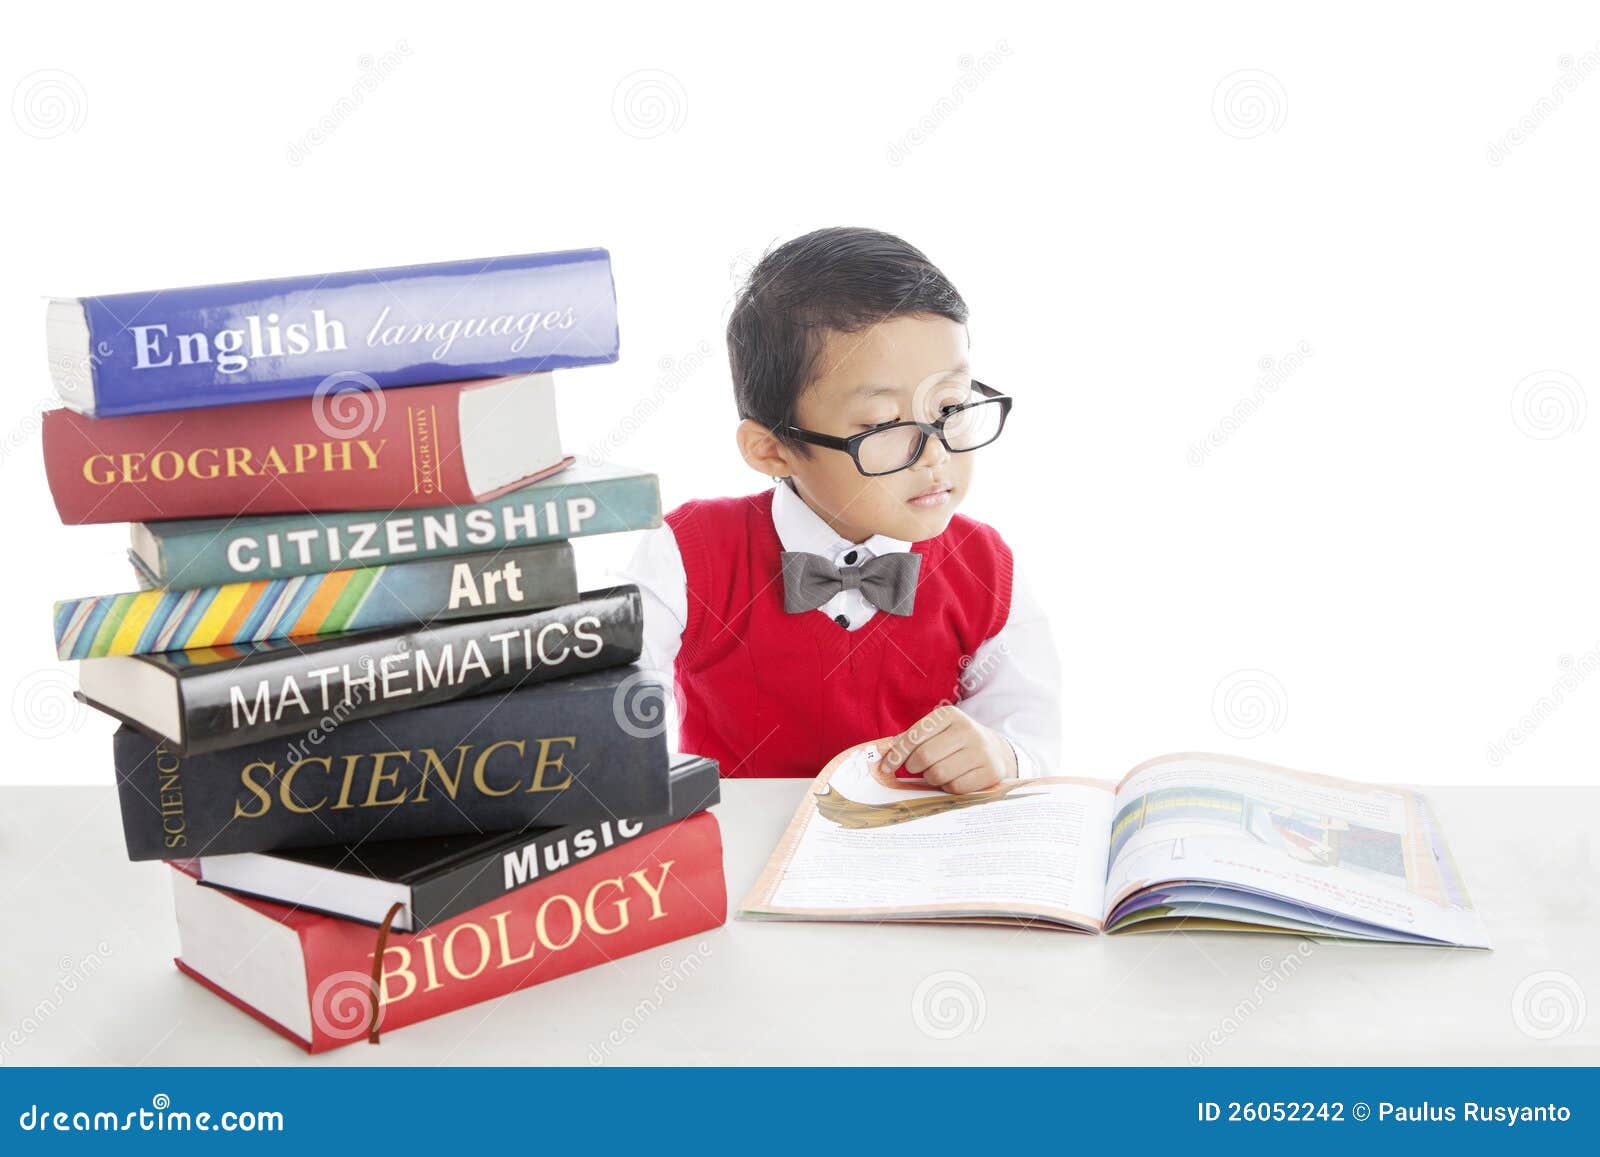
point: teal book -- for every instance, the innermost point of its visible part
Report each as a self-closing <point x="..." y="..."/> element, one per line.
<point x="209" y="552"/>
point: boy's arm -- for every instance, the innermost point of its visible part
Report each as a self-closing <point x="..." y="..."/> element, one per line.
<point x="657" y="569"/>
<point x="1013" y="685"/>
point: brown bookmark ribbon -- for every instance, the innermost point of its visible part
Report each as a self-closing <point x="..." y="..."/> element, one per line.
<point x="377" y="971"/>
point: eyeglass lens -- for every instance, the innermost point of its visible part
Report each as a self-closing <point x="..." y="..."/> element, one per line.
<point x="965" y="428"/>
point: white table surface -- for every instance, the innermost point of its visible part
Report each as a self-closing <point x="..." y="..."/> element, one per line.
<point x="769" y="993"/>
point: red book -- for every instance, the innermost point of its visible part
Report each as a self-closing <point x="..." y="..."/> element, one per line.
<point x="309" y="976"/>
<point x="352" y="447"/>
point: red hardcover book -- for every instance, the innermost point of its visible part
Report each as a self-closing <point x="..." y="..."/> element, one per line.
<point x="309" y="976"/>
<point x="353" y="447"/>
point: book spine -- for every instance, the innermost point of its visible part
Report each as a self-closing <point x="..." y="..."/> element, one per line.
<point x="282" y="547"/>
<point x="287" y="691"/>
<point x="261" y="458"/>
<point x="660" y="888"/>
<point x="370" y="598"/>
<point x="554" y="755"/>
<point x="221" y="345"/>
<point x="507" y="866"/>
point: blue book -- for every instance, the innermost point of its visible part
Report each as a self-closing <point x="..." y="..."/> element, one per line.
<point x="216" y="345"/>
<point x="206" y="552"/>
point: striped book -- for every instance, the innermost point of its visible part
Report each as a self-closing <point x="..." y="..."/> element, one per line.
<point x="366" y="598"/>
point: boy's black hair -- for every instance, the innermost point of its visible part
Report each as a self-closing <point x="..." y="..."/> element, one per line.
<point x="841" y="279"/>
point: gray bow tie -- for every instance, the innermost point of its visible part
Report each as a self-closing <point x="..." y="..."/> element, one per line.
<point x="888" y="582"/>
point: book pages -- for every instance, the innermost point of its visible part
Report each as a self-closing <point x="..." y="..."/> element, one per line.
<point x="1220" y="837"/>
<point x="860" y="848"/>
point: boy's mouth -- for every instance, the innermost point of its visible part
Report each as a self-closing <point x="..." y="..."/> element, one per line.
<point x="934" y="496"/>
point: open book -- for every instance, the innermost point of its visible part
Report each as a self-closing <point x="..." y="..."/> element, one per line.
<point x="1184" y="841"/>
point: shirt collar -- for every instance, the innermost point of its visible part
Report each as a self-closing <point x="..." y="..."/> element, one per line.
<point x="801" y="529"/>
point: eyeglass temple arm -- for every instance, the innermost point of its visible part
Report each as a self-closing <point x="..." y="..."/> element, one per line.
<point x="812" y="437"/>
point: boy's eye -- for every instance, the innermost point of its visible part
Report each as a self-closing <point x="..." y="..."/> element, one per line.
<point x="950" y="398"/>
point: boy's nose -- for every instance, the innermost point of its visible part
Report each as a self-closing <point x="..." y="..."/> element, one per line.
<point x="934" y="453"/>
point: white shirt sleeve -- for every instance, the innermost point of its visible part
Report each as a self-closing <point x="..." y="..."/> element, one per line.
<point x="1013" y="685"/>
<point x="657" y="569"/>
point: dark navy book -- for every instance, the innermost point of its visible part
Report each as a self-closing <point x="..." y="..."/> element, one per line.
<point x="573" y="751"/>
<point x="216" y="345"/>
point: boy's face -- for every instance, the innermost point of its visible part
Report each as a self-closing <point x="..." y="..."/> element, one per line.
<point x="900" y="370"/>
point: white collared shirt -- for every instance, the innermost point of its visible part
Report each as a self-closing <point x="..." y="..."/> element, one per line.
<point x="1012" y="685"/>
<point x="800" y="529"/>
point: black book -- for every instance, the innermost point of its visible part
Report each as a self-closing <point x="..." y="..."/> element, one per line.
<point x="562" y="752"/>
<point x="207" y="700"/>
<point x="435" y="879"/>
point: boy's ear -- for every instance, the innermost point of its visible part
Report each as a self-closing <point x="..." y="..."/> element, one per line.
<point x="764" y="450"/>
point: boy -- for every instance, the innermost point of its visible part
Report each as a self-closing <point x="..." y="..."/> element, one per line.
<point x="851" y="601"/>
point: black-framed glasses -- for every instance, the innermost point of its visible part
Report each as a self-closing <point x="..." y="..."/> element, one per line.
<point x="896" y="446"/>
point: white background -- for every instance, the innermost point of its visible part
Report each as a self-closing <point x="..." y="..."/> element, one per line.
<point x="1379" y="571"/>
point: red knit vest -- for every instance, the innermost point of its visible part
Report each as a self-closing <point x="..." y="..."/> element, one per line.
<point x="767" y="693"/>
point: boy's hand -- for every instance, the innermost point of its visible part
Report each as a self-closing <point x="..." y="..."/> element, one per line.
<point x="951" y="750"/>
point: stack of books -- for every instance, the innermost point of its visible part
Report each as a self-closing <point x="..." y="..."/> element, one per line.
<point x="399" y="761"/>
